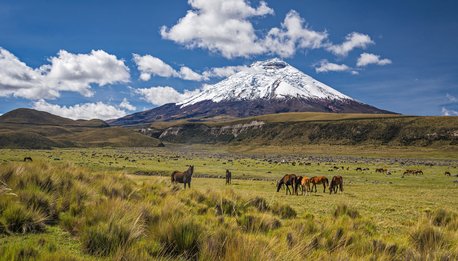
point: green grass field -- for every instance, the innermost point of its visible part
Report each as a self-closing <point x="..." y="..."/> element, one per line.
<point x="390" y="217"/>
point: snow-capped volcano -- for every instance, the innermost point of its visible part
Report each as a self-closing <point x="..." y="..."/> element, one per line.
<point x="271" y="79"/>
<point x="267" y="87"/>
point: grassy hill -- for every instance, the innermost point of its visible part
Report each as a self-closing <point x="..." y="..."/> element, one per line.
<point x="31" y="129"/>
<point x="316" y="128"/>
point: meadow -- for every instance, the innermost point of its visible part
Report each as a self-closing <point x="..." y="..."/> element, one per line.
<point x="118" y="203"/>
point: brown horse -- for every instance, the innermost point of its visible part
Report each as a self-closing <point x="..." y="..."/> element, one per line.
<point x="183" y="177"/>
<point x="319" y="180"/>
<point x="228" y="177"/>
<point x="336" y="183"/>
<point x="27" y="159"/>
<point x="297" y="184"/>
<point x="305" y="184"/>
<point x="288" y="180"/>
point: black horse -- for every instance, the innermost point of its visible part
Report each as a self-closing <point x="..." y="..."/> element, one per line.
<point x="228" y="177"/>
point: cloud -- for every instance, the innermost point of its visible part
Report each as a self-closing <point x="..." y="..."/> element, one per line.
<point x="221" y="72"/>
<point x="66" y="72"/>
<point x="86" y="111"/>
<point x="160" y="95"/>
<point x="326" y="66"/>
<point x="125" y="104"/>
<point x="149" y="65"/>
<point x="449" y="112"/>
<point x="352" y="41"/>
<point x="220" y="26"/>
<point x="292" y="36"/>
<point x="368" y="58"/>
<point x="224" y="26"/>
<point x="451" y="98"/>
<point x="187" y="74"/>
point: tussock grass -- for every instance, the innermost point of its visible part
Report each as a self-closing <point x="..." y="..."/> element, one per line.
<point x="110" y="216"/>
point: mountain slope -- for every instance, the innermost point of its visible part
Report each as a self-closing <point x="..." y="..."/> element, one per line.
<point x="272" y="86"/>
<point x="30" y="116"/>
<point x="31" y="129"/>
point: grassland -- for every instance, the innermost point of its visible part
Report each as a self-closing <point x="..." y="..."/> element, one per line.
<point x="118" y="203"/>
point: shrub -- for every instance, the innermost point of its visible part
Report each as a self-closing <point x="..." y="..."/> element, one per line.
<point x="18" y="219"/>
<point x="38" y="200"/>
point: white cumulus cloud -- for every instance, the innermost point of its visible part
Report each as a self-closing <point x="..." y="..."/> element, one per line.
<point x="369" y="58"/>
<point x="149" y="65"/>
<point x="66" y="72"/>
<point x="326" y="66"/>
<point x="292" y="35"/>
<point x="352" y="41"/>
<point x="449" y="112"/>
<point x="160" y="95"/>
<point x="86" y="111"/>
<point x="220" y="26"/>
<point x="125" y="104"/>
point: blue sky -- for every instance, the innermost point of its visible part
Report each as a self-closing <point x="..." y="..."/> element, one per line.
<point x="407" y="51"/>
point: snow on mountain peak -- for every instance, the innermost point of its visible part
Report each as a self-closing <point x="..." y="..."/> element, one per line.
<point x="270" y="79"/>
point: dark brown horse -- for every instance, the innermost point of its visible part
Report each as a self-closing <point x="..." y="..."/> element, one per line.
<point x="183" y="177"/>
<point x="319" y="180"/>
<point x="27" y="159"/>
<point x="297" y="184"/>
<point x="336" y="183"/>
<point x="228" y="177"/>
<point x="288" y="180"/>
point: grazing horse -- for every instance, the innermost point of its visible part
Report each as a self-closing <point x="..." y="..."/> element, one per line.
<point x="183" y="177"/>
<point x="319" y="180"/>
<point x="288" y="180"/>
<point x="297" y="184"/>
<point x="447" y="173"/>
<point x="305" y="184"/>
<point x="228" y="177"/>
<point x="336" y="183"/>
<point x="27" y="159"/>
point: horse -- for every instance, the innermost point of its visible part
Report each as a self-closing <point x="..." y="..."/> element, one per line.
<point x="228" y="177"/>
<point x="297" y="184"/>
<point x="447" y="173"/>
<point x="319" y="180"/>
<point x="305" y="184"/>
<point x="183" y="177"/>
<point x="27" y="159"/>
<point x="288" y="180"/>
<point x="336" y="183"/>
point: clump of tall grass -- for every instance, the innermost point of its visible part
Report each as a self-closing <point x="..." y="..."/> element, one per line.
<point x="180" y="238"/>
<point x="284" y="211"/>
<point x="258" y="223"/>
<point x="18" y="219"/>
<point x="342" y="210"/>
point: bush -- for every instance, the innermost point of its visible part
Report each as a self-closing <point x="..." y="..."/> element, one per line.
<point x="19" y="253"/>
<point x="18" y="219"/>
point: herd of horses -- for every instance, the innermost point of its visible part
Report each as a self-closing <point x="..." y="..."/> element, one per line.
<point x="306" y="184"/>
<point x="296" y="182"/>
